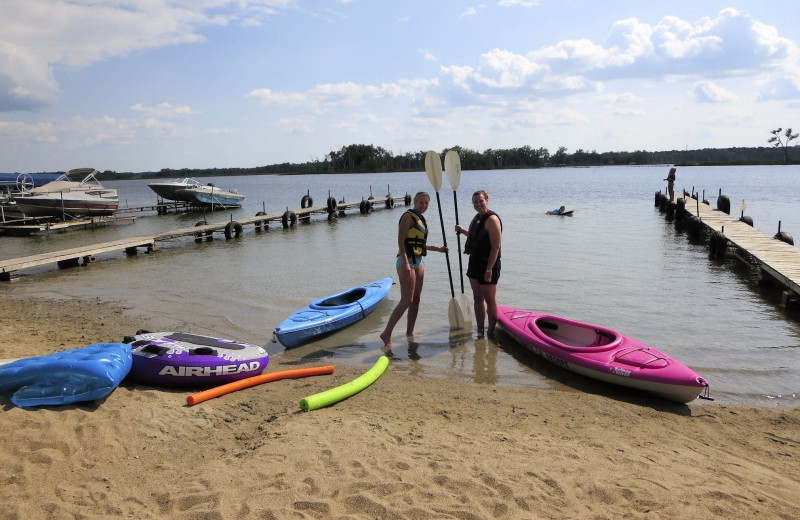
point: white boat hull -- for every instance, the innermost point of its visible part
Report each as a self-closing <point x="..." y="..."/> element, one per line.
<point x="66" y="197"/>
<point x="211" y="196"/>
<point x="169" y="189"/>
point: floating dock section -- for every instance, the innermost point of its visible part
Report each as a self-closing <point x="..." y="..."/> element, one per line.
<point x="775" y="257"/>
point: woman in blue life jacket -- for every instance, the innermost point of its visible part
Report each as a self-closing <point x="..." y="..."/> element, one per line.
<point x="412" y="235"/>
<point x="484" y="237"/>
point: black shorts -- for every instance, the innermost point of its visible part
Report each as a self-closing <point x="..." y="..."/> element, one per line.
<point x="477" y="268"/>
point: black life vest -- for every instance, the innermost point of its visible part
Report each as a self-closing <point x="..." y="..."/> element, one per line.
<point x="478" y="237"/>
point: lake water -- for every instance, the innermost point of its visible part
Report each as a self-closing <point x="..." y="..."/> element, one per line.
<point x="616" y="262"/>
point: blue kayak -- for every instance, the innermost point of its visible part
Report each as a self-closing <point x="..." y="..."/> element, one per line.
<point x="331" y="313"/>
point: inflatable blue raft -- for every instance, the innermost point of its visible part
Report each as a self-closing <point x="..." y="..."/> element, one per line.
<point x="69" y="376"/>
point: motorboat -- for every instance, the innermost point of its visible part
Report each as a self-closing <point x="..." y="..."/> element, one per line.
<point x="64" y="197"/>
<point x="331" y="313"/>
<point x="602" y="353"/>
<point x="210" y="195"/>
<point x="12" y="184"/>
<point x="168" y="189"/>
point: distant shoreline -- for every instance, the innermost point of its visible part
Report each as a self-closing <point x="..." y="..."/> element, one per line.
<point x="361" y="159"/>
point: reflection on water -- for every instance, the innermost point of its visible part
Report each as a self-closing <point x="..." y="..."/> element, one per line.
<point x="616" y="262"/>
<point x="485" y="361"/>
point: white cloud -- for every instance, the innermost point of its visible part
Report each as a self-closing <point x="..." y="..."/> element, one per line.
<point x="327" y="96"/>
<point x="38" y="35"/>
<point x="504" y="69"/>
<point x="521" y="3"/>
<point x="730" y="44"/>
<point x="786" y="88"/>
<point x="25" y="81"/>
<point x="221" y="131"/>
<point x="622" y="97"/>
<point x="505" y="79"/>
<point x="163" y="110"/>
<point x="320" y="77"/>
<point x="18" y="133"/>
<point x="427" y="55"/>
<point x="709" y="92"/>
<point x="677" y="39"/>
<point x="85" y="133"/>
<point x="629" y="112"/>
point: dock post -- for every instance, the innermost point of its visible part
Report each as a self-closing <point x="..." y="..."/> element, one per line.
<point x="69" y="262"/>
<point x="789" y="299"/>
<point x="7" y="276"/>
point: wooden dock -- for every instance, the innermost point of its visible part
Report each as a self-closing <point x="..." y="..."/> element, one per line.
<point x="776" y="259"/>
<point x="9" y="269"/>
<point x="72" y="257"/>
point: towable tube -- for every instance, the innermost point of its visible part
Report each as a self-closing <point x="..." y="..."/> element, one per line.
<point x="217" y="391"/>
<point x="334" y="395"/>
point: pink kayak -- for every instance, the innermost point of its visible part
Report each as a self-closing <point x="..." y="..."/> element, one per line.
<point x="602" y="353"/>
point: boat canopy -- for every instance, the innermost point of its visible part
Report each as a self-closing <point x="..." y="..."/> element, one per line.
<point x="30" y="180"/>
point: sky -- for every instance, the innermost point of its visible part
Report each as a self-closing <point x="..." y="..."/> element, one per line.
<point x="143" y="85"/>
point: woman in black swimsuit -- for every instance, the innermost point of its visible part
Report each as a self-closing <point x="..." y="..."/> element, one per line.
<point x="485" y="235"/>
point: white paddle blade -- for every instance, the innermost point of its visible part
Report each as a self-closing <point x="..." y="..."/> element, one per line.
<point x="452" y="166"/>
<point x="466" y="308"/>
<point x="455" y="314"/>
<point x="433" y="167"/>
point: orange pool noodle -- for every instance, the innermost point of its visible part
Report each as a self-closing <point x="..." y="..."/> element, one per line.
<point x="217" y="391"/>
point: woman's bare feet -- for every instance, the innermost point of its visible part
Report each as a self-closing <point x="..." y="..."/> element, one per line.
<point x="387" y="339"/>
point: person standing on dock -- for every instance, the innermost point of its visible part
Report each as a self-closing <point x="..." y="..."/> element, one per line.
<point x="412" y="236"/>
<point x="671" y="183"/>
<point x="483" y="247"/>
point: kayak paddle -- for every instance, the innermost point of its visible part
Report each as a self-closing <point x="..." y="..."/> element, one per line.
<point x="433" y="168"/>
<point x="452" y="166"/>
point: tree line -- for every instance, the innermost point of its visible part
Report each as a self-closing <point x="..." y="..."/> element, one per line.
<point x="361" y="158"/>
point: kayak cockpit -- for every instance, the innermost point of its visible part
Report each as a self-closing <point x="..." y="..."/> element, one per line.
<point x="574" y="335"/>
<point x="344" y="299"/>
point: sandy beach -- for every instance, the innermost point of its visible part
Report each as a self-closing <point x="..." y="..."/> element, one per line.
<point x="405" y="448"/>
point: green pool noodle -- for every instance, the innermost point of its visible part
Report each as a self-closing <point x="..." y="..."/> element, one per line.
<point x="334" y="395"/>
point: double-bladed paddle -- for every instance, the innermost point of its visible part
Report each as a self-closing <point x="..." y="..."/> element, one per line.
<point x="452" y="166"/>
<point x="433" y="168"/>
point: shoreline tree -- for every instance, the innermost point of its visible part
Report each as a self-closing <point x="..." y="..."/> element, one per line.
<point x="361" y="158"/>
<point x="778" y="142"/>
